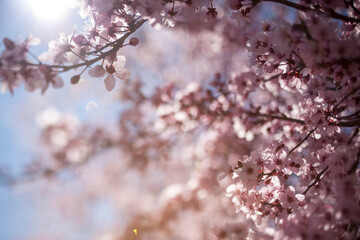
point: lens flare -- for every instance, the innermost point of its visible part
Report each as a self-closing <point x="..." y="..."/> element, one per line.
<point x="91" y="105"/>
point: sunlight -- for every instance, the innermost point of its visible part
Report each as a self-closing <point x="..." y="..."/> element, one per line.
<point x="50" y="10"/>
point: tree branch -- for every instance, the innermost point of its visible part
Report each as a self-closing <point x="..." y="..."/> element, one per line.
<point x="302" y="141"/>
<point x="303" y="8"/>
<point x="116" y="46"/>
<point x="351" y="4"/>
<point x="353" y="135"/>
<point x="273" y="77"/>
<point x="355" y="114"/>
<point x="355" y="165"/>
<point x="354" y="123"/>
<point x="345" y="97"/>
<point x="283" y="118"/>
<point x="316" y="180"/>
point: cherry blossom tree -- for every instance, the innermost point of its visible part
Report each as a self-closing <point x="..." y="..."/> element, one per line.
<point x="253" y="134"/>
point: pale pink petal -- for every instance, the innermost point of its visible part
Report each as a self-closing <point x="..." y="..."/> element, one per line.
<point x="57" y="82"/>
<point x="109" y="82"/>
<point x="123" y="75"/>
<point x="300" y="197"/>
<point x="283" y="199"/>
<point x="44" y="88"/>
<point x="120" y="63"/>
<point x="97" y="71"/>
<point x="290" y="191"/>
<point x="31" y="41"/>
<point x="222" y="175"/>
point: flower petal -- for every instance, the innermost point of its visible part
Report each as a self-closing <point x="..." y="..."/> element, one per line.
<point x="123" y="75"/>
<point x="109" y="82"/>
<point x="97" y="71"/>
<point x="57" y="82"/>
<point x="120" y="62"/>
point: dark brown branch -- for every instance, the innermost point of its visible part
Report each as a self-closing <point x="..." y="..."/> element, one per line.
<point x="272" y="78"/>
<point x="355" y="114"/>
<point x="302" y="141"/>
<point x="355" y="165"/>
<point x="354" y="123"/>
<point x="356" y="131"/>
<point x="283" y="118"/>
<point x="316" y="180"/>
<point x="345" y="97"/>
<point x="303" y="8"/>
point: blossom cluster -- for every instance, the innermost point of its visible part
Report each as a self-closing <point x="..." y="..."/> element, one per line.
<point x="267" y="149"/>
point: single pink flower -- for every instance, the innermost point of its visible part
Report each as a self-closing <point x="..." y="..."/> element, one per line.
<point x="115" y="70"/>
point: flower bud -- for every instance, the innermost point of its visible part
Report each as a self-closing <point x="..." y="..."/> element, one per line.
<point x="75" y="79"/>
<point x="134" y="41"/>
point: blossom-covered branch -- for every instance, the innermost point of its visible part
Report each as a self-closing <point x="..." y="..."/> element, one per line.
<point x="317" y="179"/>
<point x="233" y="114"/>
<point x="315" y="9"/>
<point x="115" y="47"/>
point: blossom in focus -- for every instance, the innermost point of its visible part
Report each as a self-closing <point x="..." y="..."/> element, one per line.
<point x="115" y="70"/>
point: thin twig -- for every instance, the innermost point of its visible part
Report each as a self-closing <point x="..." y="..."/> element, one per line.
<point x="315" y="181"/>
<point x="116" y="46"/>
<point x="274" y="117"/>
<point x="302" y="141"/>
<point x="353" y="135"/>
<point x="273" y="77"/>
<point x="349" y="116"/>
<point x="355" y="165"/>
<point x="346" y="96"/>
<point x="354" y="123"/>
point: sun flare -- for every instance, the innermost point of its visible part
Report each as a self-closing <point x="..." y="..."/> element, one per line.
<point x="49" y="10"/>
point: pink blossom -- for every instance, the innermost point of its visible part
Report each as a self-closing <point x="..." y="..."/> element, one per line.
<point x="115" y="70"/>
<point x="242" y="124"/>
